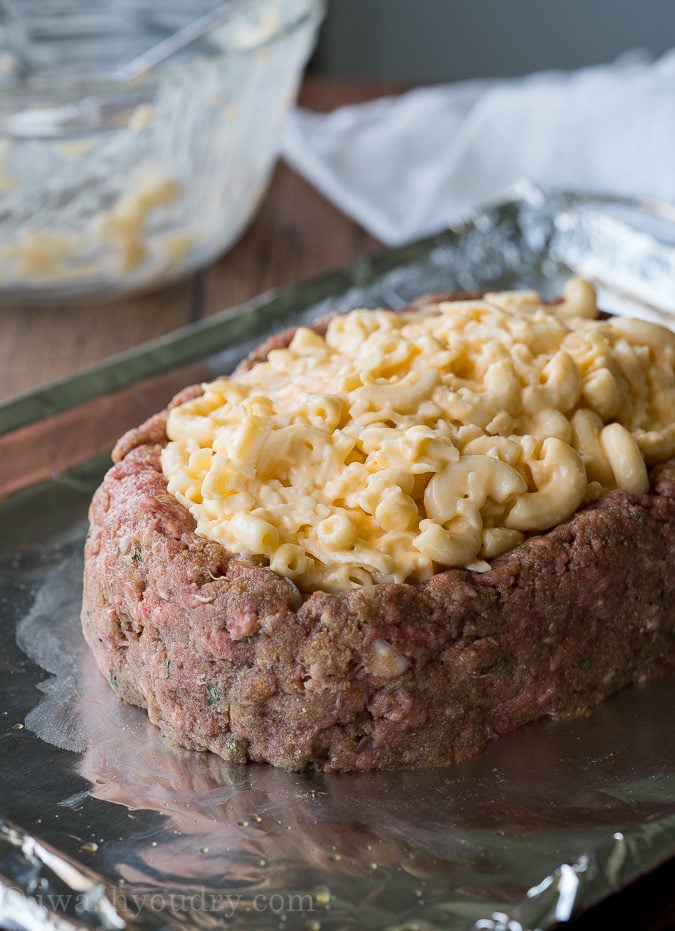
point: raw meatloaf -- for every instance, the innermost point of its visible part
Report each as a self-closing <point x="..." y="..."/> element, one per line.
<point x="230" y="657"/>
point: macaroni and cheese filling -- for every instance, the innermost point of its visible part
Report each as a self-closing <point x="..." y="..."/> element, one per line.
<point x="399" y="444"/>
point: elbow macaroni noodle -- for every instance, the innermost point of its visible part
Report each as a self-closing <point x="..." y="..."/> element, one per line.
<point x="402" y="443"/>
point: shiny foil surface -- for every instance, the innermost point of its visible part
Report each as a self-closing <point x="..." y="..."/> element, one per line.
<point x="108" y="826"/>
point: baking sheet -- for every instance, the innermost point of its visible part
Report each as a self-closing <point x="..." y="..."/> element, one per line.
<point x="110" y="826"/>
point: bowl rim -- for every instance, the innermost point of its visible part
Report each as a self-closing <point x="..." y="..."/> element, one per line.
<point x="85" y="103"/>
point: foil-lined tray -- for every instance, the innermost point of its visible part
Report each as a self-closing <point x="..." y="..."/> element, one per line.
<point x="108" y="826"/>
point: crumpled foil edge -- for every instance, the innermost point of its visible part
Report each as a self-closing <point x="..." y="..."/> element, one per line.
<point x="587" y="880"/>
<point x="45" y="890"/>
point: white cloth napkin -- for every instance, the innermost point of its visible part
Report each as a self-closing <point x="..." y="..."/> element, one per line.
<point x="406" y="166"/>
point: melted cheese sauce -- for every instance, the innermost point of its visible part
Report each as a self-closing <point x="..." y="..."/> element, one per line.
<point x="403" y="443"/>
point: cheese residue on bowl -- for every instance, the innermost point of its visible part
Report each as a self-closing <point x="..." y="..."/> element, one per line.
<point x="402" y="443"/>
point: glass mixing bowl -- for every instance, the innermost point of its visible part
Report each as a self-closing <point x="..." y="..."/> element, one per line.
<point x="137" y="137"/>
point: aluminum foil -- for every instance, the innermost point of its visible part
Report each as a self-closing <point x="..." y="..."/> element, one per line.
<point x="109" y="826"/>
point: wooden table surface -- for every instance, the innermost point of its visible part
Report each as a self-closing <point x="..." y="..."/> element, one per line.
<point x="295" y="234"/>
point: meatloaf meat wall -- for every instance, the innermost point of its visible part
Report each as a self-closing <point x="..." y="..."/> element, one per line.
<point x="227" y="656"/>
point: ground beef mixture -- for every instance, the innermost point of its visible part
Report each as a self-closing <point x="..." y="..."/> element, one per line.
<point x="227" y="656"/>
